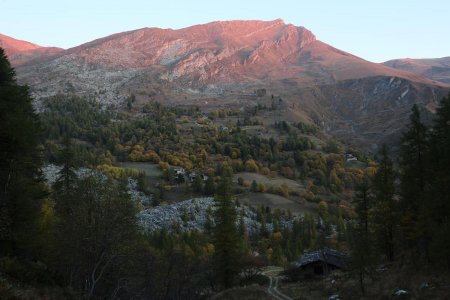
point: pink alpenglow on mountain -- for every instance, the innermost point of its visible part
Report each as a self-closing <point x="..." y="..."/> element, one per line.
<point x="347" y="95"/>
<point x="20" y="52"/>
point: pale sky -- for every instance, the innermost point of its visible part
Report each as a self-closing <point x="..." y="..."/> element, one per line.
<point x="376" y="30"/>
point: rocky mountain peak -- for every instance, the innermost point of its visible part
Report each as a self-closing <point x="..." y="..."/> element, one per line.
<point x="220" y="51"/>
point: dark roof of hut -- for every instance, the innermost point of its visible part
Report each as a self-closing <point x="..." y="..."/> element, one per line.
<point x="326" y="255"/>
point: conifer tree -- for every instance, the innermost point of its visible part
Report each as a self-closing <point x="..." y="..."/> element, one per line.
<point x="225" y="236"/>
<point x="440" y="160"/>
<point x="209" y="186"/>
<point x="254" y="186"/>
<point x="362" y="252"/>
<point x="384" y="210"/>
<point x="413" y="163"/>
<point x="197" y="184"/>
<point x="67" y="177"/>
<point x="21" y="188"/>
<point x="440" y="190"/>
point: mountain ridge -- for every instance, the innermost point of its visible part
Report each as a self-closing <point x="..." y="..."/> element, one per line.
<point x="221" y="60"/>
<point x="19" y="51"/>
<point x="433" y="68"/>
<point x="227" y="51"/>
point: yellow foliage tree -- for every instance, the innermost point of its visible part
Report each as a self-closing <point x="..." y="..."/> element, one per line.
<point x="251" y="166"/>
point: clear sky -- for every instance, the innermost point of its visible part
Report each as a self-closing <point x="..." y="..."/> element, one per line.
<point x="376" y="30"/>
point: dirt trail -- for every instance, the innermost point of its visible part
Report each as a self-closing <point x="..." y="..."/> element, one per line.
<point x="272" y="273"/>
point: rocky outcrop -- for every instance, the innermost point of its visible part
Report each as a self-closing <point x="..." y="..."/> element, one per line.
<point x="181" y="216"/>
<point x="193" y="214"/>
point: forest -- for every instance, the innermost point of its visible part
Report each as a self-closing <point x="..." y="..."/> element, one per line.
<point x="79" y="238"/>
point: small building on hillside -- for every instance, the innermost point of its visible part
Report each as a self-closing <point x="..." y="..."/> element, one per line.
<point x="179" y="171"/>
<point x="316" y="263"/>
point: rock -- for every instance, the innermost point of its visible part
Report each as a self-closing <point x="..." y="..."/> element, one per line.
<point x="402" y="294"/>
<point x="185" y="215"/>
<point x="136" y="195"/>
<point x="192" y="214"/>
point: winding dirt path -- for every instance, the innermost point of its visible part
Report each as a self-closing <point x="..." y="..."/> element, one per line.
<point x="272" y="274"/>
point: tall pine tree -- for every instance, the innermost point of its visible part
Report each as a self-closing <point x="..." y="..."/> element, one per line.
<point x="413" y="162"/>
<point x="361" y="232"/>
<point x="225" y="236"/>
<point x="21" y="188"/>
<point x="440" y="190"/>
<point x="440" y="159"/>
<point x="384" y="210"/>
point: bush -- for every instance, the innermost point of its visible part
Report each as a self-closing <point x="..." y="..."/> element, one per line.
<point x="262" y="188"/>
<point x="309" y="196"/>
<point x="283" y="190"/>
<point x="251" y="166"/>
<point x="25" y="271"/>
<point x="254" y="186"/>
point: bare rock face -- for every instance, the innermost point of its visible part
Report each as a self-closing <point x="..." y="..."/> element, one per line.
<point x="200" y="52"/>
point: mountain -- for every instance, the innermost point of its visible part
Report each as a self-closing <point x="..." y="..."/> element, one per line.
<point x="226" y="52"/>
<point x="433" y="68"/>
<point x="223" y="63"/>
<point x="20" y="52"/>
